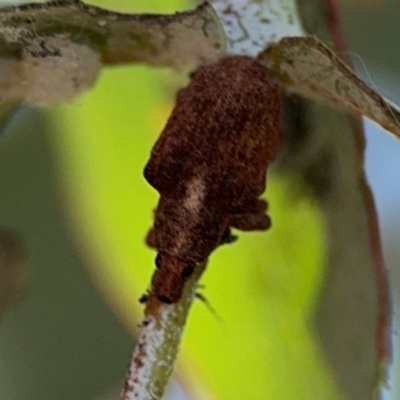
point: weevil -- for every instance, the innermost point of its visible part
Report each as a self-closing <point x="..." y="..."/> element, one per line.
<point x="209" y="166"/>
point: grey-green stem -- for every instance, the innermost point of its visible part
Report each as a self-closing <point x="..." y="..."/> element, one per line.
<point x="157" y="347"/>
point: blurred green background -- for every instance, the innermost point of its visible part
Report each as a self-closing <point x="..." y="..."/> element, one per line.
<point x="59" y="341"/>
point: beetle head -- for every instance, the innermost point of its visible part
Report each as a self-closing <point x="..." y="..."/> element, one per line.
<point x="169" y="280"/>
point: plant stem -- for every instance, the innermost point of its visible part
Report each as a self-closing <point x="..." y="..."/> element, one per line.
<point x="155" y="353"/>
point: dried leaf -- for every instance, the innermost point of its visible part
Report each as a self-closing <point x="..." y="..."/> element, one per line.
<point x="307" y="67"/>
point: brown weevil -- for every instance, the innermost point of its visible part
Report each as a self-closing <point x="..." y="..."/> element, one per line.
<point x="209" y="166"/>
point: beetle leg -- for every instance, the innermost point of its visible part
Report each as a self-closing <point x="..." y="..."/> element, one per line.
<point x="262" y="206"/>
<point x="151" y="239"/>
<point x="227" y="237"/>
<point x="250" y="221"/>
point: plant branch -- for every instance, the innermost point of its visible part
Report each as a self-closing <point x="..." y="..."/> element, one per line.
<point x="51" y="52"/>
<point x="180" y="40"/>
<point x="155" y="353"/>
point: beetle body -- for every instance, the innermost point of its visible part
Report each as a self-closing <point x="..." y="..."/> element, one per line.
<point x="209" y="166"/>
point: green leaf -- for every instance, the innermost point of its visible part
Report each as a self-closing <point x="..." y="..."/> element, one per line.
<point x="263" y="287"/>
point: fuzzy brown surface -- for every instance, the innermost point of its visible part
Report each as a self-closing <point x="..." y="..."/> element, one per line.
<point x="209" y="166"/>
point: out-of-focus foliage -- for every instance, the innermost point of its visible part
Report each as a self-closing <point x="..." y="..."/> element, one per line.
<point x="103" y="142"/>
<point x="263" y="287"/>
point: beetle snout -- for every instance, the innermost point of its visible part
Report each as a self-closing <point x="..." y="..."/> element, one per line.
<point x="170" y="277"/>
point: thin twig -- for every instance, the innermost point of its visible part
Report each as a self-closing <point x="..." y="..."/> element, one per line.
<point x="155" y="353"/>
